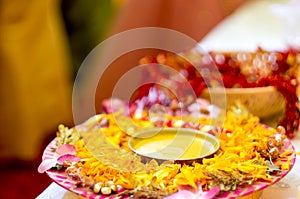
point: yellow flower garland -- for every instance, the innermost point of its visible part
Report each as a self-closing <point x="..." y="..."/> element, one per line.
<point x="240" y="159"/>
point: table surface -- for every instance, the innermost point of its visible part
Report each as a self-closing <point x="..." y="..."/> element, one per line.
<point x="250" y="26"/>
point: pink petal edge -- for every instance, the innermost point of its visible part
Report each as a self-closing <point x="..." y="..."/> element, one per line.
<point x="210" y="193"/>
<point x="46" y="165"/>
<point x="184" y="194"/>
<point x="66" y="149"/>
<point x="61" y="159"/>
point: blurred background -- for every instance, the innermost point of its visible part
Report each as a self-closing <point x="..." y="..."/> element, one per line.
<point x="42" y="45"/>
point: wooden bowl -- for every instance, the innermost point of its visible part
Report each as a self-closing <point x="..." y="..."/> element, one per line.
<point x="264" y="102"/>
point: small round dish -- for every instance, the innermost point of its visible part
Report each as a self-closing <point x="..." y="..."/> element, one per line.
<point x="180" y="145"/>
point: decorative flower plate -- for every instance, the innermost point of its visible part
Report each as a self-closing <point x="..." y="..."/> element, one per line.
<point x="66" y="182"/>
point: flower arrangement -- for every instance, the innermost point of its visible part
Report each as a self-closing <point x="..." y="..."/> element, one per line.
<point x="103" y="163"/>
<point x="279" y="69"/>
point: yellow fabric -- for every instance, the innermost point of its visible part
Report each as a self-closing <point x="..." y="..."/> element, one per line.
<point x="35" y="86"/>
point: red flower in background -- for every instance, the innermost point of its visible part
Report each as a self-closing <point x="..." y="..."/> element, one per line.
<point x="242" y="70"/>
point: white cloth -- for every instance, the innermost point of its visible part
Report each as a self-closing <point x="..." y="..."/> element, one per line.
<point x="57" y="192"/>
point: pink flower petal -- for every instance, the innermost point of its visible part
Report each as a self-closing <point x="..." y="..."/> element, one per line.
<point x="188" y="192"/>
<point x="184" y="194"/>
<point x="66" y="149"/>
<point x="210" y="193"/>
<point x="61" y="159"/>
<point x="112" y="105"/>
<point x="46" y="165"/>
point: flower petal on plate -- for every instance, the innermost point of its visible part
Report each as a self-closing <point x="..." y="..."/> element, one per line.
<point x="72" y="158"/>
<point x="46" y="165"/>
<point x="183" y="195"/>
<point x="66" y="149"/>
<point x="187" y="192"/>
<point x="210" y="193"/>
